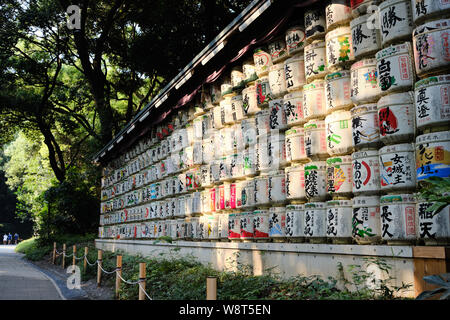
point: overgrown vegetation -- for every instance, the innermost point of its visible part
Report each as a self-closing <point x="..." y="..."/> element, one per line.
<point x="170" y="277"/>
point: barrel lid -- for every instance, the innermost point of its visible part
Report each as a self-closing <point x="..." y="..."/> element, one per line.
<point x="263" y="79"/>
<point x="432" y="81"/>
<point x="316" y="165"/>
<point x="294" y="94"/>
<point x="276" y="67"/>
<point x="339" y="203"/>
<point x="433" y="137"/>
<point x="260" y="211"/>
<point x="294" y="58"/>
<point x="392" y="198"/>
<point x="432" y="26"/>
<point x="313" y="124"/>
<point x="295" y="131"/>
<point x="315" y="45"/>
<point x="247" y="89"/>
<point x="295" y="207"/>
<point x="238" y="97"/>
<point x="337" y="75"/>
<point x="295" y="167"/>
<point x="359" y="20"/>
<point x="339" y="160"/>
<point x="396" y="98"/>
<point x="316" y="84"/>
<point x="364" y="153"/>
<point x="312" y="205"/>
<point x="402" y="147"/>
<point x="366" y="201"/>
<point x="338" y="115"/>
<point x="277" y="209"/>
<point x="339" y="31"/>
<point x="363" y="63"/>
<point x="394" y="50"/>
<point x="371" y="107"/>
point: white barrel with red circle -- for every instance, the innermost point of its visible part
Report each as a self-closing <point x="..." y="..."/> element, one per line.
<point x="277" y="49"/>
<point x="295" y="38"/>
<point x="366" y="172"/>
<point x="396" y="117"/>
<point x="263" y="61"/>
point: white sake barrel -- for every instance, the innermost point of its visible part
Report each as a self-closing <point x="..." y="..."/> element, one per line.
<point x="365" y="88"/>
<point x="339" y="221"/>
<point x="237" y="108"/>
<point x="246" y="225"/>
<point x="339" y="132"/>
<point x="316" y="139"/>
<point x="295" y="182"/>
<point x="213" y="228"/>
<point x="293" y="108"/>
<point x="262" y="122"/>
<point x="315" y="24"/>
<point x="249" y="70"/>
<point x="295" y="38"/>
<point x="236" y="165"/>
<point x="206" y="201"/>
<point x="277" y="223"/>
<point x="338" y="13"/>
<point x="220" y="198"/>
<point x="263" y="153"/>
<point x="337" y="91"/>
<point x="315" y="61"/>
<point x="237" y="77"/>
<point x="294" y="222"/>
<point x="295" y="144"/>
<point x="277" y="151"/>
<point x="426" y="10"/>
<point x="315" y="180"/>
<point x="339" y="48"/>
<point x="249" y="100"/>
<point x="249" y="131"/>
<point x="206" y="180"/>
<point x="365" y="126"/>
<point x="263" y="92"/>
<point x="208" y="150"/>
<point x="366" y="172"/>
<point x="433" y="155"/>
<point x="396" y="22"/>
<point x="212" y="199"/>
<point x="226" y="88"/>
<point x="250" y="161"/>
<point x="433" y="227"/>
<point x="366" y="223"/>
<point x="432" y="102"/>
<point x="431" y="48"/>
<point x="277" y="80"/>
<point x="277" y="49"/>
<point x="262" y="191"/>
<point x="277" y="118"/>
<point x="395" y="68"/>
<point x="225" y="106"/>
<point x="366" y="38"/>
<point x="294" y="73"/>
<point x="223" y="226"/>
<point x="219" y="116"/>
<point x="249" y="193"/>
<point x="261" y="225"/>
<point x="240" y="186"/>
<point x="396" y="117"/>
<point x="315" y="222"/>
<point x="339" y="176"/>
<point x="215" y="93"/>
<point x="397" y="167"/>
<point x="277" y="187"/>
<point x="314" y="104"/>
<point x="263" y="61"/>
<point x="398" y="218"/>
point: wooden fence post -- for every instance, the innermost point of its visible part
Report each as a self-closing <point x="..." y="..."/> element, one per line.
<point x="99" y="267"/>
<point x="211" y="288"/>
<point x="54" y="252"/>
<point x="64" y="256"/>
<point x="85" y="257"/>
<point x="74" y="261"/>
<point x="142" y="276"/>
<point x="118" y="273"/>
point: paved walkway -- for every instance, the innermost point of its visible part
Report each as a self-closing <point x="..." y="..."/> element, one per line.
<point x="21" y="281"/>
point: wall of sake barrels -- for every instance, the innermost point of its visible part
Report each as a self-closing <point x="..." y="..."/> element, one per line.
<point x="323" y="134"/>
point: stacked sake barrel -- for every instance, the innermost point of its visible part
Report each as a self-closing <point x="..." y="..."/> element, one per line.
<point x="432" y="112"/>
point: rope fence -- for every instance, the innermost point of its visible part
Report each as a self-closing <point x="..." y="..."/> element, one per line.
<point x="211" y="282"/>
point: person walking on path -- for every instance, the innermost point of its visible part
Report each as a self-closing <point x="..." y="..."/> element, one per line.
<point x="9" y="238"/>
<point x="5" y="238"/>
<point x="16" y="237"/>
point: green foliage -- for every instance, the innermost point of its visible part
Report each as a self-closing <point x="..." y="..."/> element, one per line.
<point x="436" y="190"/>
<point x="443" y="283"/>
